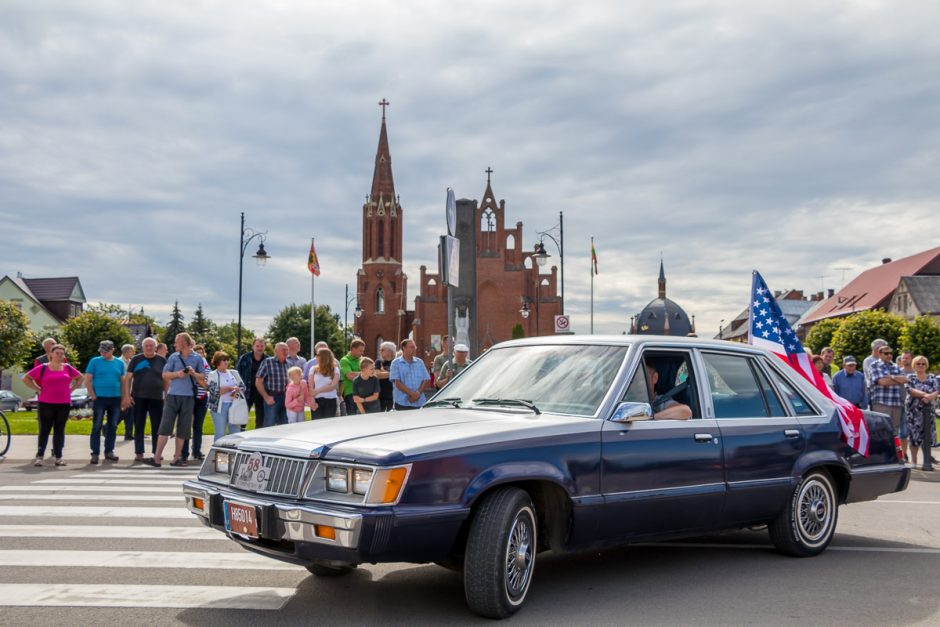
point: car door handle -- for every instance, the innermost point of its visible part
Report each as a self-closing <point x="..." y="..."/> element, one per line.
<point x="792" y="433"/>
<point x="703" y="437"/>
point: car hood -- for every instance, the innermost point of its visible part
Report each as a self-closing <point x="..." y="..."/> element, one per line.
<point x="390" y="437"/>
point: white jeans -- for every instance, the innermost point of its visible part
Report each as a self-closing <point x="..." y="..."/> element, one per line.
<point x="295" y="416"/>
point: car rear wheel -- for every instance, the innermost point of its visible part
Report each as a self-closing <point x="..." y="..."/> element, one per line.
<point x="500" y="556"/>
<point x="807" y="525"/>
<point x="330" y="570"/>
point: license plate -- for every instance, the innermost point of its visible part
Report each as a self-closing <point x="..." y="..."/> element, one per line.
<point x="241" y="519"/>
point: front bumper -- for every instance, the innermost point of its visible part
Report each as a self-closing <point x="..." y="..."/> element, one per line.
<point x="288" y="529"/>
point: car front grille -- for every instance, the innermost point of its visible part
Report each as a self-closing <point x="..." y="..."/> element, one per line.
<point x="286" y="474"/>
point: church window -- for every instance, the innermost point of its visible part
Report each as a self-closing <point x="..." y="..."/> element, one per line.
<point x="488" y="221"/>
<point x="510" y="242"/>
<point x="432" y="283"/>
<point x="379" y="301"/>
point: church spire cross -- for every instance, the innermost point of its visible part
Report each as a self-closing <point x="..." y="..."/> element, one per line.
<point x="488" y="171"/>
<point x="384" y="103"/>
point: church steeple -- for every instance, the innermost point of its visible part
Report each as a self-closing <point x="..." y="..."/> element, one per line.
<point x="383" y="186"/>
<point x="381" y="213"/>
<point x="662" y="280"/>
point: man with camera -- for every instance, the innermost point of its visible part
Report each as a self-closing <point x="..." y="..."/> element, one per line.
<point x="184" y="369"/>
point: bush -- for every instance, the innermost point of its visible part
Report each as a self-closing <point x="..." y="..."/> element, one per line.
<point x="820" y="336"/>
<point x="922" y="337"/>
<point x="85" y="331"/>
<point x="16" y="340"/>
<point x="856" y="333"/>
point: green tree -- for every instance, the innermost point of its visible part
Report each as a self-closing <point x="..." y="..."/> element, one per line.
<point x="36" y="349"/>
<point x="174" y="327"/>
<point x="856" y="333"/>
<point x="294" y="321"/>
<point x="85" y="331"/>
<point x="518" y="331"/>
<point x="16" y="340"/>
<point x="922" y="337"/>
<point x="820" y="336"/>
<point x="227" y="338"/>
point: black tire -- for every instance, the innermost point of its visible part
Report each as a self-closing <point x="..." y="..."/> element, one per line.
<point x="499" y="560"/>
<point x="807" y="525"/>
<point x="322" y="570"/>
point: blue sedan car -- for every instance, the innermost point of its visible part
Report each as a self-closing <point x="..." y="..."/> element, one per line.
<point x="559" y="444"/>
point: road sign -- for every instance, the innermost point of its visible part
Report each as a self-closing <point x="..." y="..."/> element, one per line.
<point x="561" y="324"/>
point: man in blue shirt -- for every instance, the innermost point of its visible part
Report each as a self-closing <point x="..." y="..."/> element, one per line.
<point x="184" y="369"/>
<point x="410" y="377"/>
<point x="849" y="383"/>
<point x="103" y="379"/>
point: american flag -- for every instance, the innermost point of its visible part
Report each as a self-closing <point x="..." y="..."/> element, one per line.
<point x="769" y="329"/>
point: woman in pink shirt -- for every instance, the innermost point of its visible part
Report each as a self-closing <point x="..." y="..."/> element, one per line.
<point x="297" y="396"/>
<point x="54" y="381"/>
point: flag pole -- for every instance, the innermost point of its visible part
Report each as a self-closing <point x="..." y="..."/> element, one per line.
<point x="591" y="270"/>
<point x="313" y="308"/>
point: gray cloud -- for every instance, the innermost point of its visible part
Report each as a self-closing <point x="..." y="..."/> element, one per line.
<point x="727" y="135"/>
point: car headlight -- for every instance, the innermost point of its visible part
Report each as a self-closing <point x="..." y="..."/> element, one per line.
<point x="222" y="462"/>
<point x="361" y="479"/>
<point x="337" y="479"/>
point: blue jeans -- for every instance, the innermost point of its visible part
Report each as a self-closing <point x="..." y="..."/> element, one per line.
<point x="220" y="425"/>
<point x="111" y="405"/>
<point x="275" y="414"/>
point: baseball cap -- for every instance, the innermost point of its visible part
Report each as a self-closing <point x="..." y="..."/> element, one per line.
<point x="848" y="359"/>
<point x="105" y="345"/>
<point x="461" y="348"/>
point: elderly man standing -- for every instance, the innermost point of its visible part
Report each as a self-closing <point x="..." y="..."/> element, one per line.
<point x="185" y="370"/>
<point x="887" y="381"/>
<point x="293" y="354"/>
<point x="248" y="365"/>
<point x="47" y="345"/>
<point x="382" y="367"/>
<point x="849" y="383"/>
<point x="454" y="366"/>
<point x="143" y="393"/>
<point x="271" y="383"/>
<point x="127" y="413"/>
<point x="103" y="377"/>
<point x="410" y="377"/>
<point x="874" y="357"/>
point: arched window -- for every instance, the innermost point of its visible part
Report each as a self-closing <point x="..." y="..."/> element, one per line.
<point x="488" y="221"/>
<point x="379" y="301"/>
<point x="510" y="242"/>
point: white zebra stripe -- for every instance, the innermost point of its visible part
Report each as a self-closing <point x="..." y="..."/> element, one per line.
<point x="151" y="595"/>
<point x="141" y="559"/>
<point x="113" y="532"/>
<point x="55" y="511"/>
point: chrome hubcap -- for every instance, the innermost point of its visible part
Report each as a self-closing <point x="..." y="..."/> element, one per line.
<point x="815" y="515"/>
<point x="519" y="556"/>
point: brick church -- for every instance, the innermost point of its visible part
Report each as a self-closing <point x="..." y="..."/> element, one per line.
<point x="507" y="278"/>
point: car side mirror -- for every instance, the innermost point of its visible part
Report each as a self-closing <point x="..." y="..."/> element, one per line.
<point x="630" y="412"/>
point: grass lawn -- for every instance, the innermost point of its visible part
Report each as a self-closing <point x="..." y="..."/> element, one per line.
<point x="25" y="423"/>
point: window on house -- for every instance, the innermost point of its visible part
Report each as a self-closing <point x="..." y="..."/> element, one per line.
<point x="380" y="301"/>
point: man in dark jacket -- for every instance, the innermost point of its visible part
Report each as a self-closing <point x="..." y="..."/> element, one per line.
<point x="247" y="367"/>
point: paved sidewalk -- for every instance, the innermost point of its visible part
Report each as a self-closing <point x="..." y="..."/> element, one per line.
<point x="78" y="449"/>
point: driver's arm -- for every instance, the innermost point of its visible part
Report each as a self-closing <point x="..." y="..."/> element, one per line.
<point x="674" y="411"/>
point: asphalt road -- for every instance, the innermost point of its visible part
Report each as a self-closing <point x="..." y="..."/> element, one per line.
<point x="118" y="538"/>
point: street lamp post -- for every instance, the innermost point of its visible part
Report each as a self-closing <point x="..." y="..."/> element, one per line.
<point x="357" y="313"/>
<point x="261" y="257"/>
<point x="541" y="256"/>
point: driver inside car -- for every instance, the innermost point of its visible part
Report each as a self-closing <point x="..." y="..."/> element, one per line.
<point x="670" y="409"/>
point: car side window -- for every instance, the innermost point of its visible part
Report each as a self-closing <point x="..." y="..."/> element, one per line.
<point x="734" y="389"/>
<point x="674" y="381"/>
<point x="770" y="397"/>
<point x="794" y="399"/>
<point x="638" y="391"/>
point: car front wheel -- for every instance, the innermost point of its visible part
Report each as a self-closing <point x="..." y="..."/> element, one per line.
<point x="500" y="556"/>
<point x="807" y="525"/>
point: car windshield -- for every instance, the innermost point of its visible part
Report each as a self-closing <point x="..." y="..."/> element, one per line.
<point x="564" y="379"/>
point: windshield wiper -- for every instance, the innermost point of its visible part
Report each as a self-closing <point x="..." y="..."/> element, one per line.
<point x="452" y="402"/>
<point x="508" y="401"/>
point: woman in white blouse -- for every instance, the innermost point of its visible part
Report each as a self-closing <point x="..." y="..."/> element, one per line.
<point x="223" y="385"/>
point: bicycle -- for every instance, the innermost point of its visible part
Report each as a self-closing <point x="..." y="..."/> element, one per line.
<point x="4" y="434"/>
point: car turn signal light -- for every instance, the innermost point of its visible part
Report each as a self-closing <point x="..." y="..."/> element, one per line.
<point x="323" y="531"/>
<point x="387" y="486"/>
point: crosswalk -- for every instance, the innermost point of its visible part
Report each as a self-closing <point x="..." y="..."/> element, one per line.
<point x="82" y="538"/>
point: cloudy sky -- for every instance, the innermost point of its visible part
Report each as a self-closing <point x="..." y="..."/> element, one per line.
<point x="797" y="138"/>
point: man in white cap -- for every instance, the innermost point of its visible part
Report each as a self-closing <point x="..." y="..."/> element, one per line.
<point x="455" y="365"/>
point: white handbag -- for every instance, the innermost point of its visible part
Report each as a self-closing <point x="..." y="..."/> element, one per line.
<point x="238" y="412"/>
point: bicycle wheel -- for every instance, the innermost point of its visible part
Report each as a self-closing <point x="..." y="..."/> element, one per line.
<point x="4" y="434"/>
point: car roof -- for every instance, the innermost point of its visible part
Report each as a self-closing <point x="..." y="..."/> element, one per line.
<point x="631" y="340"/>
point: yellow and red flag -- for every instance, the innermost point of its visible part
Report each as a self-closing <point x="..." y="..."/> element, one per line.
<point x="313" y="264"/>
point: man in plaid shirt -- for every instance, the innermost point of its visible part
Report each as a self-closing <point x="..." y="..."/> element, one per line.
<point x="271" y="383"/>
<point x="886" y="381"/>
